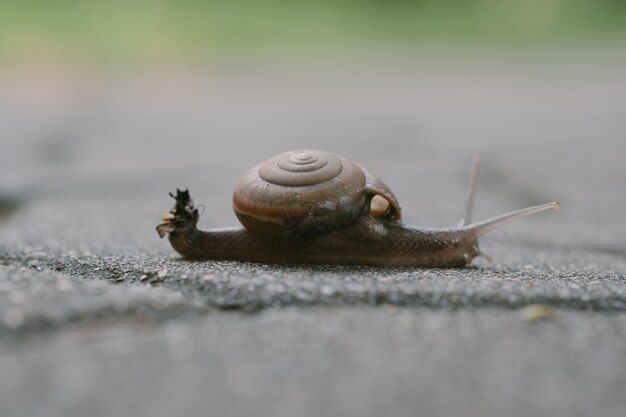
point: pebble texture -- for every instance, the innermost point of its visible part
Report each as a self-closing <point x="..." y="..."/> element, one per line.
<point x="98" y="316"/>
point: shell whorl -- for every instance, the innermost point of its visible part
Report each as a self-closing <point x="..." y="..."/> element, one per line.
<point x="300" y="193"/>
<point x="301" y="168"/>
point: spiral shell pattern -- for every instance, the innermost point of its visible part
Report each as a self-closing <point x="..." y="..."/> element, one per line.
<point x="300" y="193"/>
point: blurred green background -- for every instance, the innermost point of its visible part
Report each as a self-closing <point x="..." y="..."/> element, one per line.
<point x="145" y="30"/>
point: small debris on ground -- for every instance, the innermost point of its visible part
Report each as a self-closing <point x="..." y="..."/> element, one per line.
<point x="534" y="312"/>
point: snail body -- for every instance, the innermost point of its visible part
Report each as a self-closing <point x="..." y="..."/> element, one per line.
<point x="320" y="208"/>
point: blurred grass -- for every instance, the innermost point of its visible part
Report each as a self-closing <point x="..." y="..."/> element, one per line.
<point x="140" y="30"/>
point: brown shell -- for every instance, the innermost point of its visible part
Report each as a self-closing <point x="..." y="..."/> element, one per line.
<point x="302" y="193"/>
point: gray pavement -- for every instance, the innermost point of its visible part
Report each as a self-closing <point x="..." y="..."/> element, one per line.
<point x="100" y="317"/>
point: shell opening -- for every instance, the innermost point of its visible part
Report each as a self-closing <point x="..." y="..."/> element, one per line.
<point x="379" y="206"/>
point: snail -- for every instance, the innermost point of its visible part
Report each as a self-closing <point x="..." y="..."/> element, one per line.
<point x="320" y="208"/>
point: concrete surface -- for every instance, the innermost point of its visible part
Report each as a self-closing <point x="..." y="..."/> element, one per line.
<point x="100" y="317"/>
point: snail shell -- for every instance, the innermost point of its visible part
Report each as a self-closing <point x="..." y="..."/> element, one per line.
<point x="307" y="192"/>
